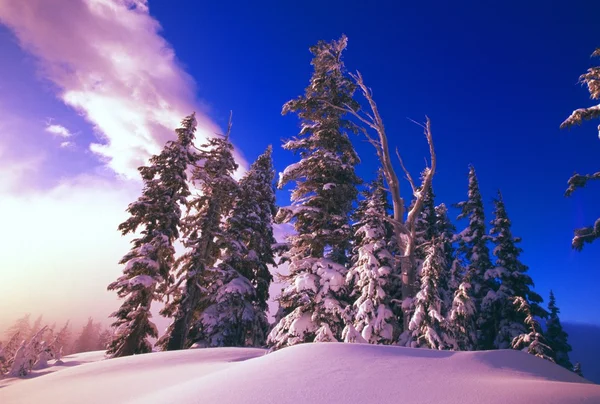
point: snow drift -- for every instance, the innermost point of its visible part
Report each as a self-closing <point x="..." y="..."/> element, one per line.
<point x="311" y="373"/>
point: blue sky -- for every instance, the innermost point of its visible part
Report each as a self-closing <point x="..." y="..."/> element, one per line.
<point x="496" y="78"/>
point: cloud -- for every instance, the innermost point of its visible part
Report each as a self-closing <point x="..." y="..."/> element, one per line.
<point x="67" y="145"/>
<point x="58" y="130"/>
<point x="109" y="62"/>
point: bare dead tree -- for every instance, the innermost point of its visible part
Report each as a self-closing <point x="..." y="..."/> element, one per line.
<point x="404" y="228"/>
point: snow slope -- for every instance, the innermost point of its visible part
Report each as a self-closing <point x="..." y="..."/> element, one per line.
<point x="311" y="373"/>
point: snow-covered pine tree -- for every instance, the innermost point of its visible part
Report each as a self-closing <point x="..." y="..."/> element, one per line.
<point x="27" y="355"/>
<point x="322" y="200"/>
<point x="513" y="281"/>
<point x="592" y="80"/>
<point x="533" y="341"/>
<point x="425" y="224"/>
<point x="62" y="340"/>
<point x="9" y="350"/>
<point x="203" y="237"/>
<point x="427" y="325"/>
<point x="370" y="271"/>
<point x="21" y="326"/>
<point x="236" y="315"/>
<point x="37" y="325"/>
<point x="557" y="337"/>
<point x="577" y="369"/>
<point x="451" y="276"/>
<point x="149" y="264"/>
<point x="472" y="247"/>
<point x="461" y="320"/>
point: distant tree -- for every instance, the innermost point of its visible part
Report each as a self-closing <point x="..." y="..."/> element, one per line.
<point x="473" y="249"/>
<point x="555" y="335"/>
<point x="9" y="350"/>
<point x="37" y="325"/>
<point x="577" y="369"/>
<point x="21" y="326"/>
<point x="204" y="237"/>
<point x="370" y="271"/>
<point x="513" y="281"/>
<point x="428" y="325"/>
<point x="532" y="342"/>
<point x="28" y="354"/>
<point x="325" y="189"/>
<point x="236" y="314"/>
<point x="104" y="339"/>
<point x="149" y="264"/>
<point x="592" y="80"/>
<point x="63" y="340"/>
<point x="88" y="337"/>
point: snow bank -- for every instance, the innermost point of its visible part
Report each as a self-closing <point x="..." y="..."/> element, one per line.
<point x="311" y="373"/>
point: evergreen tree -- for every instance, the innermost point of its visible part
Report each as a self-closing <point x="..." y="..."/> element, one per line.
<point x="577" y="369"/>
<point x="555" y="335"/>
<point x="204" y="237"/>
<point x="512" y="279"/>
<point x="87" y="340"/>
<point x="62" y="340"/>
<point x="592" y="80"/>
<point x="149" y="264"/>
<point x="474" y="250"/>
<point x="21" y="326"/>
<point x="237" y="313"/>
<point x="532" y="342"/>
<point x="370" y="272"/>
<point x="428" y="326"/>
<point x="9" y="350"/>
<point x="322" y="200"/>
<point x="37" y="326"/>
<point x="461" y="319"/>
<point x="451" y="275"/>
<point x="425" y="224"/>
<point x="27" y="355"/>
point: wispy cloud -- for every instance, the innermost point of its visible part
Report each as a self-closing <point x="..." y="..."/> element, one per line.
<point x="109" y="62"/>
<point x="58" y="130"/>
<point x="67" y="145"/>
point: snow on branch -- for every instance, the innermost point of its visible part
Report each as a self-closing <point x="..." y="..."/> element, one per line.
<point x="580" y="181"/>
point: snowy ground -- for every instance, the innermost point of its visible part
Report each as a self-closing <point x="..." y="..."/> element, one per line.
<point x="310" y="373"/>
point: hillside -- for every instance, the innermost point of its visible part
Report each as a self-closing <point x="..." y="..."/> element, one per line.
<point x="313" y="373"/>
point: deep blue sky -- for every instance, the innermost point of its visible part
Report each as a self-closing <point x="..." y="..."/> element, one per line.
<point x="496" y="78"/>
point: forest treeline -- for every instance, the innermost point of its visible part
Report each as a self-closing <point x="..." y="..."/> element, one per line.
<point x="364" y="265"/>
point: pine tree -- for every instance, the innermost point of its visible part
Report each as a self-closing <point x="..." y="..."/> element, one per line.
<point x="87" y="340"/>
<point x="511" y="275"/>
<point x="532" y="342"/>
<point x="37" y="326"/>
<point x="149" y="264"/>
<point x="555" y="335"/>
<point x="474" y="250"/>
<point x="371" y="268"/>
<point x="428" y="324"/>
<point x="203" y="238"/>
<point x="9" y="350"/>
<point x="592" y="80"/>
<point x="62" y="340"/>
<point x="461" y="319"/>
<point x="237" y="313"/>
<point x="27" y="355"/>
<point x="322" y="200"/>
<point x="577" y="369"/>
<point x="425" y="224"/>
<point x="21" y="326"/>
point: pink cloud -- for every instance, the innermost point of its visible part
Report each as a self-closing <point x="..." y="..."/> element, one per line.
<point x="109" y="62"/>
